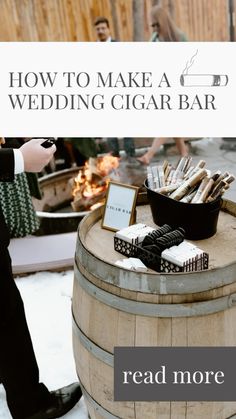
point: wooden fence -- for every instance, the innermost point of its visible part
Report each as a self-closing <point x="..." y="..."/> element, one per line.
<point x="201" y="20"/>
<point x="72" y="20"/>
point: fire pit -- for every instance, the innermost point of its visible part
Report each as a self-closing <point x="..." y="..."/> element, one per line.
<point x="90" y="185"/>
<point x="69" y="195"/>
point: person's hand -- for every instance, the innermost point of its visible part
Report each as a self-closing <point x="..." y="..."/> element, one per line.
<point x="35" y="156"/>
<point x="2" y="141"/>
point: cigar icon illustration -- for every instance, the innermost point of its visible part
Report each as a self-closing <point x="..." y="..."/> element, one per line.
<point x="203" y="80"/>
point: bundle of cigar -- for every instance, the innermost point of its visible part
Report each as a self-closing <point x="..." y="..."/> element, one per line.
<point x="188" y="183"/>
<point x="183" y="254"/>
<point x="165" y="245"/>
<point x="134" y="234"/>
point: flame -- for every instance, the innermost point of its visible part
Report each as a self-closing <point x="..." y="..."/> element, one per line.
<point x="90" y="182"/>
<point x="106" y="164"/>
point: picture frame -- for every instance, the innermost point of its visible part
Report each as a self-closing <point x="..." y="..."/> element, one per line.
<point x="119" y="208"/>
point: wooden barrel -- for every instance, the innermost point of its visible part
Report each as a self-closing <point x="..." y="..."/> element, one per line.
<point x="118" y="307"/>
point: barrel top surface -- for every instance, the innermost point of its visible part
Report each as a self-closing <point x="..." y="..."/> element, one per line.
<point x="221" y="247"/>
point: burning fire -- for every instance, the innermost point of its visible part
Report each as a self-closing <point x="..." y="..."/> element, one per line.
<point x="91" y="183"/>
<point x="106" y="164"/>
<point x="85" y="184"/>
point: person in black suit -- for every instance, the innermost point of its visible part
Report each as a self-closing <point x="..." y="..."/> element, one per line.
<point x="27" y="398"/>
<point x="102" y="28"/>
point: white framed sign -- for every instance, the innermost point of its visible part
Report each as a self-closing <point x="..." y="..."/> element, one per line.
<point x="119" y="207"/>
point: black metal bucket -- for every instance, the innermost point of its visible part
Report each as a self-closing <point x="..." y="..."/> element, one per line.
<point x="198" y="220"/>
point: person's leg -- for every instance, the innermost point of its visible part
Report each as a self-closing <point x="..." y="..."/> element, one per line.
<point x="181" y="146"/>
<point x="148" y="156"/>
<point x="113" y="145"/>
<point x="129" y="147"/>
<point x="18" y="367"/>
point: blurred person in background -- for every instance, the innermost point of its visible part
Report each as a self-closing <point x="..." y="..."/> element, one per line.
<point x="81" y="149"/>
<point x="157" y="143"/>
<point x="114" y="147"/>
<point x="103" y="32"/>
<point x="102" y="28"/>
<point x="164" y="30"/>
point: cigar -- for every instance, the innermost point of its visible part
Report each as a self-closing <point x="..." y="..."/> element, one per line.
<point x="217" y="191"/>
<point x="187" y="164"/>
<point x="216" y="175"/>
<point x="180" y="164"/>
<point x="220" y="178"/>
<point x="189" y="198"/>
<point x="229" y="179"/>
<point x="189" y="171"/>
<point x="206" y="191"/>
<point x="161" y="176"/>
<point x="217" y="188"/>
<point x="188" y="184"/>
<point x="200" y="189"/>
<point x="200" y="165"/>
<point x="150" y="178"/>
<point x="204" y="80"/>
<point x="170" y="176"/>
<point x="155" y="177"/>
<point x="170" y="188"/>
<point x="165" y="165"/>
<point x="167" y="172"/>
<point x="178" y="175"/>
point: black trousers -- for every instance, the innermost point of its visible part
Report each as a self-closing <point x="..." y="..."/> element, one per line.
<point x="18" y="367"/>
<point x="128" y="146"/>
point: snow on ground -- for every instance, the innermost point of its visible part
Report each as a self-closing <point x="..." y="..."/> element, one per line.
<point x="47" y="299"/>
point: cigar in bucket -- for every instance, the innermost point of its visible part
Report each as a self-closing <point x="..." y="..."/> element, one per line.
<point x="187" y="164"/>
<point x="217" y="191"/>
<point x="188" y="184"/>
<point x="180" y="164"/>
<point x="206" y="191"/>
<point x="189" y="171"/>
<point x="220" y="178"/>
<point x="165" y="165"/>
<point x="229" y="179"/>
<point x="170" y="176"/>
<point x="178" y="174"/>
<point x="161" y="176"/>
<point x="189" y="198"/>
<point x="200" y="165"/>
<point x="183" y="164"/>
<point x="150" y="178"/>
<point x="203" y="80"/>
<point x="200" y="189"/>
<point x="155" y="178"/>
<point x="216" y="175"/>
<point x="167" y="172"/>
<point x="170" y="188"/>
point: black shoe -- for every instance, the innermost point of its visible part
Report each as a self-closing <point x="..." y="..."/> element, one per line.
<point x="64" y="400"/>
